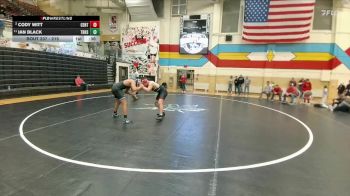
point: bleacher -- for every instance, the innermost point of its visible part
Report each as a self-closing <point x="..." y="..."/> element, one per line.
<point x="10" y="8"/>
<point x="28" y="72"/>
<point x="30" y="9"/>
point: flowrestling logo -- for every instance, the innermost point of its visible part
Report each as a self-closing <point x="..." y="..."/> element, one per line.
<point x="174" y="108"/>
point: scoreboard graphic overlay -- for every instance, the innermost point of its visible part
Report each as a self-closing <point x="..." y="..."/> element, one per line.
<point x="56" y="28"/>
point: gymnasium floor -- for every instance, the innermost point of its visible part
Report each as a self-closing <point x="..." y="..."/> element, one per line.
<point x="206" y="145"/>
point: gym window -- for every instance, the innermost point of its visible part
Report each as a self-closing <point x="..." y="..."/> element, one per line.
<point x="230" y="16"/>
<point x="323" y="15"/>
<point x="178" y="7"/>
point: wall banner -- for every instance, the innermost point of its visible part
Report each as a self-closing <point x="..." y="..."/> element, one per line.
<point x="140" y="46"/>
<point x="113" y="24"/>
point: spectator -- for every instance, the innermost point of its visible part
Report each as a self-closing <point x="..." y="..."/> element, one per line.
<point x="341" y="88"/>
<point x="347" y="89"/>
<point x="246" y="85"/>
<point x="300" y="85"/>
<point x="343" y="106"/>
<point x="338" y="100"/>
<point x="235" y="81"/>
<point x="2" y="28"/>
<point x="324" y="96"/>
<point x="79" y="82"/>
<point x="293" y="82"/>
<point x="276" y="91"/>
<point x="134" y="75"/>
<point x="230" y="83"/>
<point x="240" y="84"/>
<point x="183" y="81"/>
<point x="323" y="103"/>
<point x="306" y="90"/>
<point x="267" y="91"/>
<point x="292" y="92"/>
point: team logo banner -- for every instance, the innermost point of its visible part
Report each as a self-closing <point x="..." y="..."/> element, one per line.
<point x="194" y="43"/>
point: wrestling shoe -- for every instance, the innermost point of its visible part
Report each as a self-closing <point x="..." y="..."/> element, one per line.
<point x="127" y="121"/>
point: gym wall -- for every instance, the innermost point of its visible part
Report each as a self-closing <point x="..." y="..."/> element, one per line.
<point x="324" y="58"/>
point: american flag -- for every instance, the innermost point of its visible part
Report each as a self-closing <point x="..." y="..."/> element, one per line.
<point x="276" y="21"/>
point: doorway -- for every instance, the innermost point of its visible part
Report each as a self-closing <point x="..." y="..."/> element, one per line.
<point x="190" y="78"/>
<point x="123" y="73"/>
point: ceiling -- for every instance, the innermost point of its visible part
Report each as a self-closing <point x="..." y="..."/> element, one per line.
<point x="141" y="10"/>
